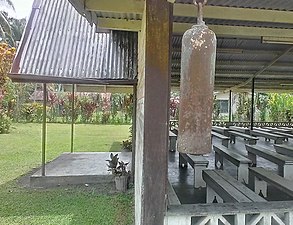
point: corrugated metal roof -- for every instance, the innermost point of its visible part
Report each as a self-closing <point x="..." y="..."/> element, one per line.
<point x="59" y="42"/>
<point x="239" y="58"/>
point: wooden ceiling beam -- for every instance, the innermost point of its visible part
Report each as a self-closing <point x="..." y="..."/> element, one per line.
<point x="180" y="28"/>
<point x="189" y="10"/>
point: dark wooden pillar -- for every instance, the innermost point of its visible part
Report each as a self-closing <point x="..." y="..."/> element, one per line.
<point x="252" y="105"/>
<point x="152" y="113"/>
<point x="230" y="106"/>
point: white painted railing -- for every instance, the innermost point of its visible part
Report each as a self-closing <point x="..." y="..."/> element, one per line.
<point x="257" y="213"/>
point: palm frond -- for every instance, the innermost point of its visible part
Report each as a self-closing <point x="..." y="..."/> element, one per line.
<point x="8" y="3"/>
<point x="4" y="23"/>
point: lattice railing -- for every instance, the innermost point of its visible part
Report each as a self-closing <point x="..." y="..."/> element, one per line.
<point x="257" y="213"/>
<point x="174" y="123"/>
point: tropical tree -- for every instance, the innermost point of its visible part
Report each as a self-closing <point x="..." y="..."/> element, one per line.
<point x="5" y="28"/>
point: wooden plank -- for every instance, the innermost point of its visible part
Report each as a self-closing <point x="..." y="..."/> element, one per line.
<point x="153" y="104"/>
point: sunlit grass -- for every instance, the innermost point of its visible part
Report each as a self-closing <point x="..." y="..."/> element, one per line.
<point x="20" y="151"/>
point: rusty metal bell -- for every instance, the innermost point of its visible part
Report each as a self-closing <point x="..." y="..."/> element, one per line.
<point x="196" y="88"/>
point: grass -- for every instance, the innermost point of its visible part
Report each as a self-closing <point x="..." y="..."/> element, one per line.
<point x="21" y="151"/>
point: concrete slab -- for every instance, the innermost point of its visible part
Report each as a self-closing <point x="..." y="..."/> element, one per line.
<point x="77" y="168"/>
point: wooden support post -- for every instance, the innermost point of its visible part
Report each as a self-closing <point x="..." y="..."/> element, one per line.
<point x="72" y="118"/>
<point x="252" y="105"/>
<point x="152" y="113"/>
<point x="230" y="106"/>
<point x="44" y="129"/>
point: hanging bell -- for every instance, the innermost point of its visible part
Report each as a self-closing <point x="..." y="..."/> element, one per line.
<point x="196" y="87"/>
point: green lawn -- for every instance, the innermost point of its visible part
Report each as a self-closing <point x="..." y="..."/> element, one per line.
<point x="20" y="152"/>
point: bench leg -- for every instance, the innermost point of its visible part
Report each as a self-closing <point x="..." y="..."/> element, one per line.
<point x="219" y="160"/>
<point x="257" y="185"/>
<point x="232" y="138"/>
<point x="212" y="195"/>
<point x="182" y="161"/>
<point x="278" y="141"/>
<point x="242" y="173"/>
<point x="172" y="144"/>
<point x="239" y="219"/>
<point x="286" y="171"/>
<point x="198" y="180"/>
<point x="252" y="157"/>
<point x="225" y="143"/>
<point x="267" y="139"/>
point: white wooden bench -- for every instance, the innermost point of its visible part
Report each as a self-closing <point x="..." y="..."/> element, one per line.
<point x="172" y="141"/>
<point x="257" y="174"/>
<point x="284" y="150"/>
<point x="223" y="188"/>
<point x="198" y="163"/>
<point x="221" y="130"/>
<point x="222" y="137"/>
<point x="286" y="135"/>
<point x="277" y="138"/>
<point x="251" y="139"/>
<point x="244" y="130"/>
<point x="237" y="159"/>
<point x="284" y="163"/>
<point x="275" y="129"/>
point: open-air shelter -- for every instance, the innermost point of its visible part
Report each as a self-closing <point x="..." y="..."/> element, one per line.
<point x="254" y="51"/>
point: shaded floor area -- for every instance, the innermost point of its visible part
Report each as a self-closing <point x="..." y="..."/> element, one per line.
<point x="182" y="178"/>
<point x="77" y="168"/>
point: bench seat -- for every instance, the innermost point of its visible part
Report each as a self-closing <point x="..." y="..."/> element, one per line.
<point x="224" y="188"/>
<point x="277" y="138"/>
<point x="251" y="139"/>
<point x="244" y="130"/>
<point x="284" y="150"/>
<point x="221" y="130"/>
<point x="222" y="137"/>
<point x="271" y="178"/>
<point x="285" y="163"/>
<point x="198" y="163"/>
<point x="237" y="159"/>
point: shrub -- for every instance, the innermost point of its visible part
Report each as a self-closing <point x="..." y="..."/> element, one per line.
<point x="5" y="123"/>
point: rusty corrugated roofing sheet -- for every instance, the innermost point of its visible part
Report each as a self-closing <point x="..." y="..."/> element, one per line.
<point x="59" y="42"/>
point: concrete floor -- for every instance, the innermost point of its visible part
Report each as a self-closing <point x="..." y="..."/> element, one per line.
<point x="89" y="167"/>
<point x="77" y="168"/>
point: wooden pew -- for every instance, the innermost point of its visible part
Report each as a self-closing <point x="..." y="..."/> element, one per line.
<point x="222" y="137"/>
<point x="237" y="159"/>
<point x="277" y="138"/>
<point x="244" y="130"/>
<point x="284" y="163"/>
<point x="221" y="130"/>
<point x="223" y="188"/>
<point x="198" y="163"/>
<point x="258" y="173"/>
<point x="284" y="150"/>
<point x="251" y="139"/>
